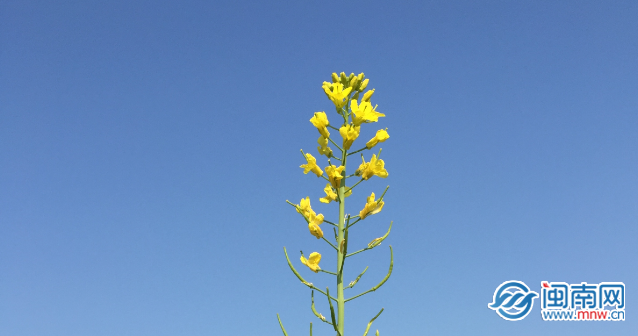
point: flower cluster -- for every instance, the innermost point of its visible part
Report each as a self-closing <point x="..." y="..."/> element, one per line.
<point x="354" y="109"/>
<point x="359" y="112"/>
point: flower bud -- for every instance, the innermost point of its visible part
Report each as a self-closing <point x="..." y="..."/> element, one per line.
<point x="335" y="77"/>
<point x="367" y="95"/>
<point x="363" y="85"/>
<point x="351" y="76"/>
<point x="342" y="77"/>
<point x="353" y="83"/>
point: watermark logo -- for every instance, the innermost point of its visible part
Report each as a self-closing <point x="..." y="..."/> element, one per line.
<point x="583" y="302"/>
<point x="513" y="300"/>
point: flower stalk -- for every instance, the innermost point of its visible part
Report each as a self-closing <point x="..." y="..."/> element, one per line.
<point x="344" y="92"/>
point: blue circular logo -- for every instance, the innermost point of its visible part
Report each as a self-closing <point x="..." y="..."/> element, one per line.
<point x="513" y="300"/>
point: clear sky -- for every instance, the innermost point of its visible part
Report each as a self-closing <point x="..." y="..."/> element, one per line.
<point x="147" y="150"/>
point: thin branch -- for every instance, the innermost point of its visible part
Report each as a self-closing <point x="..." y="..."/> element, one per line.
<point x="314" y="311"/>
<point x="344" y="251"/>
<point x="382" y="281"/>
<point x="370" y="323"/>
<point x="331" y="223"/>
<point x="354" y="282"/>
<point x="332" y="312"/>
<point x="292" y="268"/>
<point x="355" y="222"/>
<point x="336" y="145"/>
<point x="373" y="243"/>
<point x="386" y="189"/>
<point x="357" y="151"/>
<point x="323" y="270"/>
<point x="356" y="184"/>
<point x="353" y="253"/>
<point x="327" y="241"/>
<point x="282" y="326"/>
<point x="334" y="128"/>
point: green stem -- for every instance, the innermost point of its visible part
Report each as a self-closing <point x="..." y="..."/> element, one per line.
<point x="357" y="151"/>
<point x="344" y="159"/>
<point x="322" y="270"/>
<point x="327" y="241"/>
<point x="353" y="253"/>
<point x="293" y="204"/>
<point x="314" y="311"/>
<point x="329" y="222"/>
<point x="386" y="189"/>
<point x="355" y="222"/>
<point x="340" y="251"/>
<point x="282" y="326"/>
<point x="354" y="282"/>
<point x="367" y="328"/>
<point x="356" y="184"/>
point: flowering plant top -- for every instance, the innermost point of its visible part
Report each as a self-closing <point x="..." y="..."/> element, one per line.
<point x="355" y="109"/>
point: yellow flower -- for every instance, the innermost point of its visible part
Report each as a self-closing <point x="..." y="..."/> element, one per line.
<point x="372" y="207"/>
<point x="304" y="208"/>
<point x="323" y="146"/>
<point x="313" y="225"/>
<point x="312" y="262"/>
<point x="320" y="121"/>
<point x="349" y="133"/>
<point x="336" y="93"/>
<point x="311" y="217"/>
<point x="330" y="195"/>
<point x="334" y="175"/>
<point x="311" y="165"/>
<point x="364" y="112"/>
<point x="381" y="136"/>
<point x="374" y="167"/>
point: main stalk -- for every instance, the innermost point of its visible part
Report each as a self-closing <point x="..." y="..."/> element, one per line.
<point x="340" y="245"/>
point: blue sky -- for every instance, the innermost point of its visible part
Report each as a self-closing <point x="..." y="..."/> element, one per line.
<point x="147" y="150"/>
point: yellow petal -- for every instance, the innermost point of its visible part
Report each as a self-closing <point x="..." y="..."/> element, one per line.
<point x="314" y="258"/>
<point x="315" y="230"/>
